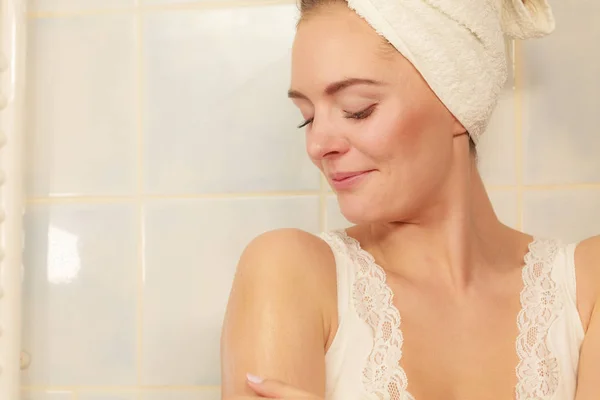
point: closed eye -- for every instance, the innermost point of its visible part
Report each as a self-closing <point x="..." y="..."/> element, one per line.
<point x="308" y="121"/>
<point x="361" y="114"/>
<point x="357" y="115"/>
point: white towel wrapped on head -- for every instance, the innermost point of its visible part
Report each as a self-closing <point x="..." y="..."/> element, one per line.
<point x="458" y="45"/>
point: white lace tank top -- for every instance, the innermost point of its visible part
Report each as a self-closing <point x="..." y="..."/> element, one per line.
<point x="363" y="361"/>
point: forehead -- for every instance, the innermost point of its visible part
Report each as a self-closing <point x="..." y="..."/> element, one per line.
<point x="334" y="43"/>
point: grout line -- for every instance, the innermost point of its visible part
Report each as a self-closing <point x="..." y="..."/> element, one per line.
<point x="150" y="197"/>
<point x="78" y="13"/>
<point x="140" y="101"/>
<point x="323" y="225"/>
<point x="577" y="186"/>
<point x="216" y="4"/>
<point x="518" y="96"/>
<point x="81" y="199"/>
<point x="200" y="5"/>
<point x="140" y="190"/>
<point x="141" y="278"/>
<point x="242" y="195"/>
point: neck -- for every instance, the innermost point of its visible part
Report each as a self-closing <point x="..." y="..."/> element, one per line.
<point x="452" y="238"/>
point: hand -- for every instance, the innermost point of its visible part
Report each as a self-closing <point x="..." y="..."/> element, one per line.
<point x="273" y="389"/>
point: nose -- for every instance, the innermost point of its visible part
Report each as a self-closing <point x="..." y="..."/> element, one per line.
<point x="323" y="140"/>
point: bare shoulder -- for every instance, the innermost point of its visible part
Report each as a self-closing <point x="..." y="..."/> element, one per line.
<point x="289" y="262"/>
<point x="591" y="246"/>
<point x="281" y="311"/>
<point x="287" y="253"/>
<point x="587" y="258"/>
<point x="288" y="265"/>
<point x="289" y="239"/>
<point x="587" y="261"/>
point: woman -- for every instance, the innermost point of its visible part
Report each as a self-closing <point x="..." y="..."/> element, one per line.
<point x="394" y="104"/>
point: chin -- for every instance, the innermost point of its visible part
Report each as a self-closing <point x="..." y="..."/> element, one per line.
<point x="359" y="210"/>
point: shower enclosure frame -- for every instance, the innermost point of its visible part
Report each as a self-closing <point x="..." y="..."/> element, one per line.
<point x="12" y="93"/>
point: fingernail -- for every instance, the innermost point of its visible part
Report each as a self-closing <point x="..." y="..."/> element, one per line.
<point x="254" y="378"/>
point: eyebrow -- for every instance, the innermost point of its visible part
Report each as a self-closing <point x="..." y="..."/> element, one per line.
<point x="336" y="87"/>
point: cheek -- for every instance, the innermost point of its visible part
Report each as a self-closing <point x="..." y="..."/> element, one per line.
<point x="410" y="126"/>
<point x="392" y="133"/>
<point x="409" y="146"/>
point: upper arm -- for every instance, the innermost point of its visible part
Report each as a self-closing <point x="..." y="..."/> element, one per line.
<point x="589" y="362"/>
<point x="588" y="386"/>
<point x="277" y="319"/>
<point x="587" y="260"/>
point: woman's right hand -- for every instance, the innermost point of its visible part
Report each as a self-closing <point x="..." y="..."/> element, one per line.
<point x="273" y="389"/>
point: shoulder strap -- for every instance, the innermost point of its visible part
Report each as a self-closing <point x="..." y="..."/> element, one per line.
<point x="345" y="270"/>
<point x="570" y="273"/>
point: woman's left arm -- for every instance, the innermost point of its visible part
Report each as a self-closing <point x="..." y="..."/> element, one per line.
<point x="588" y="386"/>
<point x="588" y="382"/>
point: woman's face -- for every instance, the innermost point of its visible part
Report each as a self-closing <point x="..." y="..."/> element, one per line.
<point x="373" y="126"/>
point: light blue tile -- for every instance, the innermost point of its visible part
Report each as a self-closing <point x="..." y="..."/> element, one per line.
<point x="571" y="215"/>
<point x="561" y="102"/>
<point x="81" y="106"/>
<point x="191" y="250"/>
<point x="79" y="322"/>
<point x="217" y="117"/>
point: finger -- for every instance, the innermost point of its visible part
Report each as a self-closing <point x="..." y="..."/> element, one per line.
<point x="273" y="389"/>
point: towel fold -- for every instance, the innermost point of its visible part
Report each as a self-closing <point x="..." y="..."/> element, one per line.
<point x="526" y="19"/>
<point x="458" y="46"/>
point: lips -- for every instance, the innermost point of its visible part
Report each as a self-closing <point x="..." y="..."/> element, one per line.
<point x="344" y="181"/>
<point x="342" y="176"/>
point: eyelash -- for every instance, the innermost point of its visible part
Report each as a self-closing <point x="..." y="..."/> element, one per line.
<point x="308" y="121"/>
<point x="357" y="115"/>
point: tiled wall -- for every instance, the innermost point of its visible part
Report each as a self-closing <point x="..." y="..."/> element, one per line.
<point x="160" y="142"/>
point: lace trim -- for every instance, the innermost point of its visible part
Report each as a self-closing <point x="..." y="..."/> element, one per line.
<point x="383" y="376"/>
<point x="538" y="369"/>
